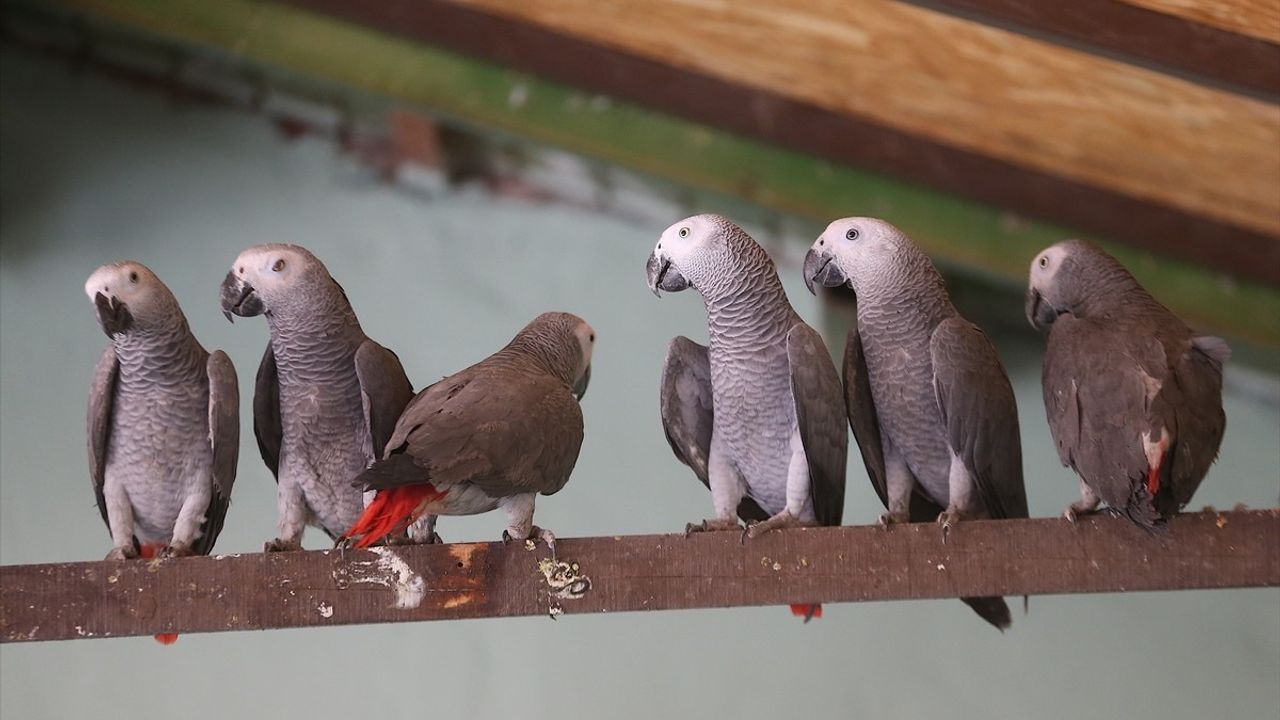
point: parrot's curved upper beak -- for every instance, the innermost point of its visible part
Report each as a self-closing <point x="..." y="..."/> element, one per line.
<point x="580" y="387"/>
<point x="662" y="275"/>
<point x="239" y="298"/>
<point x="820" y="267"/>
<point x="113" y="315"/>
<point x="1040" y="313"/>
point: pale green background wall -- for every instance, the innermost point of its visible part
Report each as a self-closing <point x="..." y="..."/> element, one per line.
<point x="93" y="171"/>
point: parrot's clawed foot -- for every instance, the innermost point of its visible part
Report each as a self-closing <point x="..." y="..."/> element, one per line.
<point x="535" y="535"/>
<point x="547" y="537"/>
<point x="712" y="525"/>
<point x="126" y="552"/>
<point x="948" y="519"/>
<point x="177" y="550"/>
<point x="1077" y="510"/>
<point x="892" y="518"/>
<point x="782" y="520"/>
<point x="282" y="545"/>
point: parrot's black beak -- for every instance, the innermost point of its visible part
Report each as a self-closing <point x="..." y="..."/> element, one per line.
<point x="821" y="268"/>
<point x="662" y="275"/>
<point x="113" y="315"/>
<point x="238" y="298"/>
<point x="580" y="387"/>
<point x="1039" y="312"/>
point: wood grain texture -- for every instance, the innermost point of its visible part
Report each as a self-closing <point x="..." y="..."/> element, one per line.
<point x="1136" y="34"/>
<point x="1256" y="18"/>
<point x="643" y="572"/>
<point x="970" y="86"/>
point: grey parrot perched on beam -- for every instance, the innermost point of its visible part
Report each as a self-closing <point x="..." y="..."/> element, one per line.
<point x="326" y="398"/>
<point x="1133" y="396"/>
<point x="929" y="402"/>
<point x="494" y="435"/>
<point x="756" y="414"/>
<point x="163" y="422"/>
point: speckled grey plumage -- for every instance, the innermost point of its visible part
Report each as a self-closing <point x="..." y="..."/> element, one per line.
<point x="163" y="423"/>
<point x="769" y="378"/>
<point x="925" y="383"/>
<point x="318" y="425"/>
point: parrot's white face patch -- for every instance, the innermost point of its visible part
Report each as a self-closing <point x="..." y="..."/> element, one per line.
<point x="269" y="268"/>
<point x="683" y="241"/>
<point x="860" y="245"/>
<point x="129" y="282"/>
<point x="1045" y="266"/>
<point x="587" y="341"/>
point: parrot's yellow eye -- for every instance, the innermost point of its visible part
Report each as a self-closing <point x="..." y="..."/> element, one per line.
<point x="851" y="234"/>
<point x="1044" y="261"/>
<point x="684" y="232"/>
<point x="133" y="277"/>
<point x="278" y="266"/>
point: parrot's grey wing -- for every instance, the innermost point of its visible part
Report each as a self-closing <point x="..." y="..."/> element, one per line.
<point x="507" y="433"/>
<point x="815" y="389"/>
<point x="224" y="435"/>
<point x="981" y="416"/>
<point x="267" y="427"/>
<point x="102" y="395"/>
<point x="1200" y="420"/>
<point x="1093" y="389"/>
<point x="860" y="407"/>
<point x="688" y="413"/>
<point x="384" y="389"/>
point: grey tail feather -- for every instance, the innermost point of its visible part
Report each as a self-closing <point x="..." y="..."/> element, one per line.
<point x="395" y="470"/>
<point x="1142" y="510"/>
<point x="992" y="609"/>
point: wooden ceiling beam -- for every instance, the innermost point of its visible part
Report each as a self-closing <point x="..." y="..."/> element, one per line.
<point x="1165" y="202"/>
<point x="1175" y="41"/>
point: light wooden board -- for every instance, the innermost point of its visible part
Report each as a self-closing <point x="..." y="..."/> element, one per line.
<point x="973" y="87"/>
<point x="1255" y="18"/>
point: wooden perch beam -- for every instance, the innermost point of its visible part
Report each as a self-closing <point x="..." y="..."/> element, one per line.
<point x="643" y="572"/>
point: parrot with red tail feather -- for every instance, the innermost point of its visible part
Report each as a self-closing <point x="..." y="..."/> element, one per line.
<point x="1133" y="396"/>
<point x="492" y="436"/>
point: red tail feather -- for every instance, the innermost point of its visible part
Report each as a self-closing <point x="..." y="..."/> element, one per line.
<point x="1153" y="479"/>
<point x="146" y="552"/>
<point x="391" y="511"/>
<point x="806" y="611"/>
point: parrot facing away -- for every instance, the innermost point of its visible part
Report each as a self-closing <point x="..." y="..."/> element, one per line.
<point x="926" y="395"/>
<point x="326" y="396"/>
<point x="163" y="422"/>
<point x="494" y="435"/>
<point x="1133" y="396"/>
<point x="756" y="414"/>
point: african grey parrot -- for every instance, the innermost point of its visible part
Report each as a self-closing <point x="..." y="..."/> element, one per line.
<point x="491" y="436"/>
<point x="164" y="421"/>
<point x="326" y="397"/>
<point x="929" y="402"/>
<point x="1133" y="396"/>
<point x="756" y="414"/>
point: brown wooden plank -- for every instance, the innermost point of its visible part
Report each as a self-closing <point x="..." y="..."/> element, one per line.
<point x="1257" y="18"/>
<point x="643" y="572"/>
<point x="966" y="85"/>
<point x="806" y="127"/>
<point x="1168" y="41"/>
